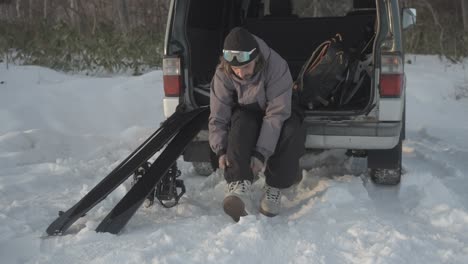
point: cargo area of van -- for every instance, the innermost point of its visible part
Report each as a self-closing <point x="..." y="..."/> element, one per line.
<point x="289" y="29"/>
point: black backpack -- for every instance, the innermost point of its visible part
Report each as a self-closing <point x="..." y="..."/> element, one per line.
<point x="333" y="76"/>
<point x="323" y="73"/>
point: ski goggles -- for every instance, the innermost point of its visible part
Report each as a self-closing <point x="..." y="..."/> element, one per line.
<point x="241" y="56"/>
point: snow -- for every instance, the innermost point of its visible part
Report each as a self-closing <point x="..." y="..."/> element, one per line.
<point x="61" y="134"/>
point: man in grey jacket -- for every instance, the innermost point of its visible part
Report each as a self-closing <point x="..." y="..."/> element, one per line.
<point x="253" y="122"/>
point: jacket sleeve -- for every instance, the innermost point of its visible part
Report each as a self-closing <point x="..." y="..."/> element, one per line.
<point x="278" y="88"/>
<point x="221" y="103"/>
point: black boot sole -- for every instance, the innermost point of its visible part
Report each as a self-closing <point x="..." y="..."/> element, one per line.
<point x="234" y="207"/>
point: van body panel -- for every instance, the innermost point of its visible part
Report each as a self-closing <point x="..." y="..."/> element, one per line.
<point x="350" y="142"/>
<point x="391" y="109"/>
<point x="169" y="105"/>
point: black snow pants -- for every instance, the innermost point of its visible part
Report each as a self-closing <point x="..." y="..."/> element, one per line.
<point x="282" y="168"/>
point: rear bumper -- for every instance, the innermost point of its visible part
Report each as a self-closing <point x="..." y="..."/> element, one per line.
<point x="352" y="135"/>
<point x="323" y="135"/>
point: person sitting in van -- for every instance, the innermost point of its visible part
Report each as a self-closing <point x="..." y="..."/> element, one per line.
<point x="253" y="122"/>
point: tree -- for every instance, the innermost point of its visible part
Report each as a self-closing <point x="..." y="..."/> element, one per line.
<point x="464" y="5"/>
<point x="44" y="10"/>
<point x="18" y="9"/>
<point x="122" y="9"/>
<point x="73" y="16"/>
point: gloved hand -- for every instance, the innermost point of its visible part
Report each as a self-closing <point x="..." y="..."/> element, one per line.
<point x="256" y="165"/>
<point x="223" y="162"/>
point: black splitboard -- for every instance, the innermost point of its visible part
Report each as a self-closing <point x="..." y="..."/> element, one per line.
<point x="126" y="208"/>
<point x="125" y="169"/>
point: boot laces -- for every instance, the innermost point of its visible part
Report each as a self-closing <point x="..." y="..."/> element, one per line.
<point x="272" y="194"/>
<point x="242" y="186"/>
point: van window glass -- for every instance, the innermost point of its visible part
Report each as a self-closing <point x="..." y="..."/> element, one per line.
<point x="307" y="8"/>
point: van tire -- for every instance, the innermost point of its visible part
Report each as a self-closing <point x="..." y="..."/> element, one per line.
<point x="385" y="165"/>
<point x="385" y="176"/>
<point x="203" y="168"/>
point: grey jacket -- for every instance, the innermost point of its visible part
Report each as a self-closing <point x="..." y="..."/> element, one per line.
<point x="271" y="88"/>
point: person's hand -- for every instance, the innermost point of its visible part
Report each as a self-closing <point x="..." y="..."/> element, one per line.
<point x="223" y="162"/>
<point x="256" y="165"/>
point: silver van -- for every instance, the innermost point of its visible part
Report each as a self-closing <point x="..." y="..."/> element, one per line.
<point x="371" y="123"/>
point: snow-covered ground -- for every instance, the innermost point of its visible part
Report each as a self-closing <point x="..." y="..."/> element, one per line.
<point x="61" y="134"/>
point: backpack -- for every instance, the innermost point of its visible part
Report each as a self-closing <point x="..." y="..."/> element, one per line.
<point x="323" y="73"/>
<point x="333" y="75"/>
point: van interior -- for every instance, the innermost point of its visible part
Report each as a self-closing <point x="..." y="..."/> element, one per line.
<point x="292" y="28"/>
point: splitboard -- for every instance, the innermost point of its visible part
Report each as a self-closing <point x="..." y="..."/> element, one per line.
<point x="126" y="208"/>
<point x="125" y="169"/>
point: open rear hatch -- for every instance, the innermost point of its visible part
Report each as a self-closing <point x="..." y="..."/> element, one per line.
<point x="292" y="29"/>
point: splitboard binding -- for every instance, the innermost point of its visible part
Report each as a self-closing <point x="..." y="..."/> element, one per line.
<point x="167" y="190"/>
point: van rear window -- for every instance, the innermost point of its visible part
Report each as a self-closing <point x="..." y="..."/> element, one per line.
<point x="319" y="8"/>
<point x="313" y="8"/>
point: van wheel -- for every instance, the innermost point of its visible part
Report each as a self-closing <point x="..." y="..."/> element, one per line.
<point x="203" y="168"/>
<point x="385" y="165"/>
<point x="385" y="176"/>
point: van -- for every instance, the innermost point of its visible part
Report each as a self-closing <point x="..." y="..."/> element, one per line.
<point x="371" y="124"/>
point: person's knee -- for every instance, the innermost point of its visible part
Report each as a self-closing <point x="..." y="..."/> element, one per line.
<point x="246" y="119"/>
<point x="291" y="128"/>
<point x="244" y="132"/>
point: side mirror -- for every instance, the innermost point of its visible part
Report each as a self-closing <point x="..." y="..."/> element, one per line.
<point x="409" y="17"/>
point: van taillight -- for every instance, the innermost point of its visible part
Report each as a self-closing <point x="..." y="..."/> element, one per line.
<point x="391" y="76"/>
<point x="171" y="76"/>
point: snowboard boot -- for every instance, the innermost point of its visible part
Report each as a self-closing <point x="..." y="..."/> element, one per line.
<point x="270" y="204"/>
<point x="237" y="199"/>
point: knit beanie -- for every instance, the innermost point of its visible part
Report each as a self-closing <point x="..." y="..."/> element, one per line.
<point x="240" y="39"/>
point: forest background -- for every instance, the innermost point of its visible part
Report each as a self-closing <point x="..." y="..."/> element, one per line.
<point x="95" y="36"/>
